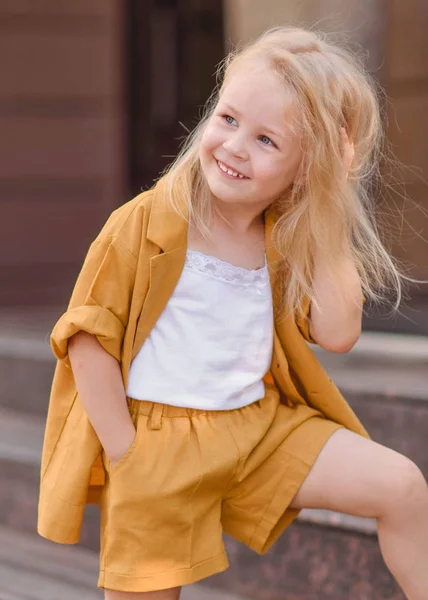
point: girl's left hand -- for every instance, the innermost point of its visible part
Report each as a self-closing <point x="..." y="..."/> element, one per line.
<point x="347" y="150"/>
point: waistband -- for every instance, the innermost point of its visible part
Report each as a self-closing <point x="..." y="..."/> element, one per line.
<point x="157" y="411"/>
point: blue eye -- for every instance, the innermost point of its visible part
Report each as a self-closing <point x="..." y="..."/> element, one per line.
<point x="263" y="138"/>
<point x="230" y="120"/>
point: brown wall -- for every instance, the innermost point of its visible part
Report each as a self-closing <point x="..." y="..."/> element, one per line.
<point x="91" y="101"/>
<point x="406" y="71"/>
<point x="67" y="156"/>
<point x="61" y="147"/>
<point x="174" y="48"/>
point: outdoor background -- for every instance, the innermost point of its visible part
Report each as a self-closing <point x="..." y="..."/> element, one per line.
<point x="93" y="92"/>
<point x="95" y="96"/>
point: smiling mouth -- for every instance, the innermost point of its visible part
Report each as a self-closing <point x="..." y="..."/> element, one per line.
<point x="228" y="171"/>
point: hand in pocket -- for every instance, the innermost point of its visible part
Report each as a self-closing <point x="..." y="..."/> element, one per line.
<point x="116" y="455"/>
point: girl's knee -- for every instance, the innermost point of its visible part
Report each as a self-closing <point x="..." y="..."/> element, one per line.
<point x="406" y="485"/>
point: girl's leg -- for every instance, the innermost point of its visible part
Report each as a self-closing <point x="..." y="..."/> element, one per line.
<point x="171" y="594"/>
<point x="360" y="477"/>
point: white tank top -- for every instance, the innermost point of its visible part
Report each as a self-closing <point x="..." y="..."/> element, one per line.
<point x="212" y="344"/>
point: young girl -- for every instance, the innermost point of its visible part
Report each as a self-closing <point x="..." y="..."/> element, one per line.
<point x="186" y="401"/>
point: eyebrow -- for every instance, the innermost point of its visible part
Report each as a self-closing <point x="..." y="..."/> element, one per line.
<point x="267" y="129"/>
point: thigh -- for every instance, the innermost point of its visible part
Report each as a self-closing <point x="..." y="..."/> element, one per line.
<point x="171" y="594"/>
<point x="354" y="475"/>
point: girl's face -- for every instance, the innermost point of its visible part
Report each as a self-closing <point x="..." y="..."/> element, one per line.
<point x="250" y="150"/>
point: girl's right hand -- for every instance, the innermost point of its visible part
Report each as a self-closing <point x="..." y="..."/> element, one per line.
<point x="117" y="452"/>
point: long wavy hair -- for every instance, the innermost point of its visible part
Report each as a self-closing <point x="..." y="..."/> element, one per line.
<point x="332" y="89"/>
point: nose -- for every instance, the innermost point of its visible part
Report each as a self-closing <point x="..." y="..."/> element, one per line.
<point x="235" y="145"/>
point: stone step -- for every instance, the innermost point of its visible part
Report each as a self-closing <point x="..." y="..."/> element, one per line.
<point x="323" y="554"/>
<point x="35" y="569"/>
<point x="26" y="370"/>
<point x="321" y="550"/>
<point x="386" y="366"/>
<point x="21" y="440"/>
<point x="384" y="378"/>
<point x="381" y="364"/>
<point x="26" y="360"/>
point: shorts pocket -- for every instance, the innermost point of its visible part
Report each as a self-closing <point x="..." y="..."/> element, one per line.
<point x="125" y="457"/>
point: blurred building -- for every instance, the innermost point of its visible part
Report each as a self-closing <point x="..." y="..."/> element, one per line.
<point x="95" y="96"/>
<point x="91" y="97"/>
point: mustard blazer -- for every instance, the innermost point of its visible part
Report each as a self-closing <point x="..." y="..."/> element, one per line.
<point x="128" y="275"/>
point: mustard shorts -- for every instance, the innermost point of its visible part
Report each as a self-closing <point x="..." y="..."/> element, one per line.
<point x="191" y="475"/>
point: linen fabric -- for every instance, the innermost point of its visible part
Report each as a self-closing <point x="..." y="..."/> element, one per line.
<point x="125" y="283"/>
<point x="189" y="475"/>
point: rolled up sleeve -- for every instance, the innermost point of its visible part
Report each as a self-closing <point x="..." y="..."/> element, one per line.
<point x="302" y="321"/>
<point x="100" y="301"/>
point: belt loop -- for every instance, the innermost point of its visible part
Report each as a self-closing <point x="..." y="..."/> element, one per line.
<point x="156" y="416"/>
<point x="133" y="409"/>
<point x="131" y="403"/>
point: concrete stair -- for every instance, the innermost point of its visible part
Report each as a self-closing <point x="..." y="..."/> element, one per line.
<point x="322" y="555"/>
<point x="34" y="569"/>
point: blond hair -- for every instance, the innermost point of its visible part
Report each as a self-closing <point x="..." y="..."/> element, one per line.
<point x="324" y="212"/>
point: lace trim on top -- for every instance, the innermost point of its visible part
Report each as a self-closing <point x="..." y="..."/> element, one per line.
<point x="197" y="261"/>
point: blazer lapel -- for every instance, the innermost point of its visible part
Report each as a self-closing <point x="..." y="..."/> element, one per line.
<point x="168" y="230"/>
<point x="165" y="271"/>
